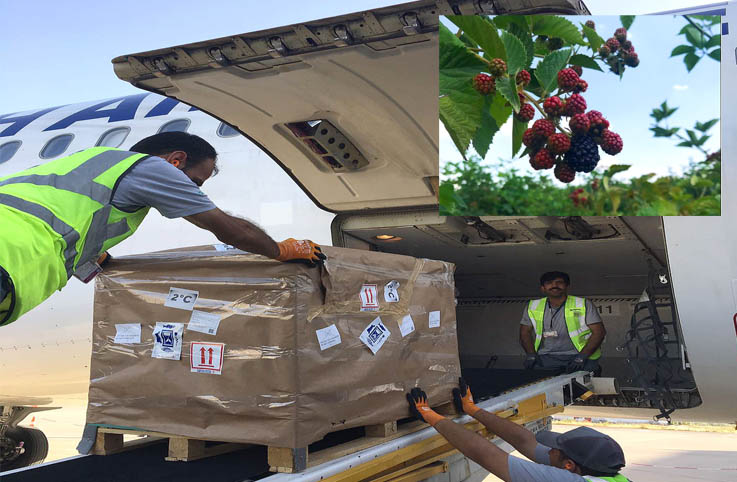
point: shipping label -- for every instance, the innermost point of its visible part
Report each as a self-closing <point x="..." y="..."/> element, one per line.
<point x="406" y="326"/>
<point x="328" y="337"/>
<point x="127" y="333"/>
<point x="204" y="322"/>
<point x="434" y="319"/>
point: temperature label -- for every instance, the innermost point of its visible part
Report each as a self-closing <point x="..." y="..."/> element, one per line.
<point x="206" y="357"/>
<point x="181" y="298"/>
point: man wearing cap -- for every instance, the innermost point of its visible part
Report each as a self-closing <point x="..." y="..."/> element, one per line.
<point x="561" y="332"/>
<point x="583" y="454"/>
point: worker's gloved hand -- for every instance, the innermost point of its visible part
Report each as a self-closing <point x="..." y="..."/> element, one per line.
<point x="463" y="400"/>
<point x="531" y="360"/>
<point x="300" y="250"/>
<point x="577" y="363"/>
<point x="104" y="259"/>
<point x="419" y="408"/>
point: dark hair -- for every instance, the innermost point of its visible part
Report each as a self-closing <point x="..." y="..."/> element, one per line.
<point x="551" y="275"/>
<point x="198" y="150"/>
<point x="586" y="470"/>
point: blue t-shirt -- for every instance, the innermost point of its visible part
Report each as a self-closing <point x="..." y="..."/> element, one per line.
<point x="155" y="183"/>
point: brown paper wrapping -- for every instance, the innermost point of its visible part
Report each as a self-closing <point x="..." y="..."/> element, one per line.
<point x="277" y="387"/>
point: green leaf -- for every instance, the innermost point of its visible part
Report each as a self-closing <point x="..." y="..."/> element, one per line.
<point x="518" y="129"/>
<point x="615" y="168"/>
<point x="691" y="60"/>
<point x="487" y="128"/>
<point x="560" y="27"/>
<point x="715" y="41"/>
<point x="695" y="37"/>
<point x="547" y="70"/>
<point x="682" y="49"/>
<point x="703" y="139"/>
<point x="516" y="53"/>
<point x="692" y="136"/>
<point x="661" y="132"/>
<point x="595" y="41"/>
<point x="657" y="114"/>
<point x="507" y="21"/>
<point x="584" y="61"/>
<point x="627" y="20"/>
<point x="457" y="64"/>
<point x="525" y="37"/>
<point x="483" y="32"/>
<point x="508" y="88"/>
<point x="461" y="117"/>
<point x="500" y="110"/>
<point x="706" y="125"/>
<point x="716" y="54"/>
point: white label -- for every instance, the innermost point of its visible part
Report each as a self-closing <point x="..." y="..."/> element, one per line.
<point x="127" y="333"/>
<point x="204" y="322"/>
<point x="168" y="341"/>
<point x="224" y="247"/>
<point x="206" y="357"/>
<point x="182" y="299"/>
<point x="375" y="335"/>
<point x="369" y="298"/>
<point x="434" y="319"/>
<point x="406" y="326"/>
<point x="328" y="337"/>
<point x="390" y="292"/>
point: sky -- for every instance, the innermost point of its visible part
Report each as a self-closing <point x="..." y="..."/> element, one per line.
<point x="628" y="104"/>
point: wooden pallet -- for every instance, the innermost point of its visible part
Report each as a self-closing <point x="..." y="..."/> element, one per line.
<point x="181" y="449"/>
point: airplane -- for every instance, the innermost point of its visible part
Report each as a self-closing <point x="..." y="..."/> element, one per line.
<point x="386" y="202"/>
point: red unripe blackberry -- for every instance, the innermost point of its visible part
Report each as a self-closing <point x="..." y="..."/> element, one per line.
<point x="581" y="86"/>
<point x="543" y="127"/>
<point x="497" y="67"/>
<point x="553" y="106"/>
<point x="532" y="140"/>
<point x="564" y="173"/>
<point x="559" y="143"/>
<point x="484" y="84"/>
<point x="526" y="113"/>
<point x="590" y="24"/>
<point x="578" y="69"/>
<point x="613" y="44"/>
<point x="523" y="77"/>
<point x="631" y="59"/>
<point x="575" y="104"/>
<point x="542" y="159"/>
<point x="579" y="124"/>
<point x="597" y="123"/>
<point x="627" y="45"/>
<point x="604" y="51"/>
<point x="611" y="142"/>
<point x="567" y="79"/>
<point x="621" y="34"/>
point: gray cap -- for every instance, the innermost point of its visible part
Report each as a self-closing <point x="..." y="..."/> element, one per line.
<point x="587" y="447"/>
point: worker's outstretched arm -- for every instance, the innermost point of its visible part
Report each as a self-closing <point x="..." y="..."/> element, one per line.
<point x="469" y="443"/>
<point x="516" y="435"/>
<point x="247" y="236"/>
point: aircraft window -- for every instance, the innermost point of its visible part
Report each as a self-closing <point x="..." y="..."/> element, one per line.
<point x="56" y="146"/>
<point x="8" y="150"/>
<point x="114" y="137"/>
<point x="180" y="125"/>
<point x="224" y="130"/>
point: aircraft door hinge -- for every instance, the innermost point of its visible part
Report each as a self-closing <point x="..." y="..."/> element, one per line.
<point x="343" y="37"/>
<point x="278" y="49"/>
<point x="411" y="23"/>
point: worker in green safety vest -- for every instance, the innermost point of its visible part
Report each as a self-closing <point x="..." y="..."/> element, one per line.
<point x="580" y="455"/>
<point x="58" y="219"/>
<point x="561" y="332"/>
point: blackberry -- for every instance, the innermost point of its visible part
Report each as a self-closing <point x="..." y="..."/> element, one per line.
<point x="604" y="51"/>
<point x="532" y="140"/>
<point x="631" y="60"/>
<point x="542" y="159"/>
<point x="611" y="142"/>
<point x="567" y="79"/>
<point x="627" y="46"/>
<point x="583" y="156"/>
<point x="612" y="43"/>
<point x="579" y="124"/>
<point x="497" y="67"/>
<point x="564" y="173"/>
<point x="484" y="84"/>
<point x="621" y="34"/>
<point x="543" y="127"/>
<point x="590" y="24"/>
<point x="526" y="113"/>
<point x="559" y="143"/>
<point x="553" y="106"/>
<point x="581" y="86"/>
<point x="523" y="77"/>
<point x="597" y="123"/>
<point x="616" y="65"/>
<point x="578" y="69"/>
<point x="575" y="104"/>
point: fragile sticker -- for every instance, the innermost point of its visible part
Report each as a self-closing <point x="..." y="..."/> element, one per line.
<point x="374" y="335"/>
<point x="204" y="322"/>
<point x="369" y="298"/>
<point x="406" y="326"/>
<point x="168" y="341"/>
<point x="391" y="295"/>
<point x="127" y="333"/>
<point x="434" y="319"/>
<point x="206" y="357"/>
<point x="328" y="337"/>
<point x="181" y="298"/>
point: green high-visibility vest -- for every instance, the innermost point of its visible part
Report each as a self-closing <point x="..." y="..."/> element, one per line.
<point x="57" y="218"/>
<point x="575" y="315"/>
<point x="616" y="478"/>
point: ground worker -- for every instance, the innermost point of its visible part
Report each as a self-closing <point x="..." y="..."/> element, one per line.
<point x="583" y="454"/>
<point x="57" y="219"/>
<point x="561" y="332"/>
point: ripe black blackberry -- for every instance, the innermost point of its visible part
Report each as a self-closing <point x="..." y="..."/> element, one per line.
<point x="583" y="156"/>
<point x="564" y="173"/>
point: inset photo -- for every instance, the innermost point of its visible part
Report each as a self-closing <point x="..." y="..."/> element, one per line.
<point x="577" y="115"/>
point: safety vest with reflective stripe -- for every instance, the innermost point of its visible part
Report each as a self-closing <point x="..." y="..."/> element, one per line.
<point x="616" y="478"/>
<point x="57" y="217"/>
<point x="575" y="315"/>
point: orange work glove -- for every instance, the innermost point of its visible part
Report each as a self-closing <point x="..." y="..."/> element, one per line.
<point x="300" y="250"/>
<point x="463" y="399"/>
<point x="419" y="408"/>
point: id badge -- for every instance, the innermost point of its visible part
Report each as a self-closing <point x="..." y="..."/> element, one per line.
<point x="550" y="334"/>
<point x="87" y="272"/>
